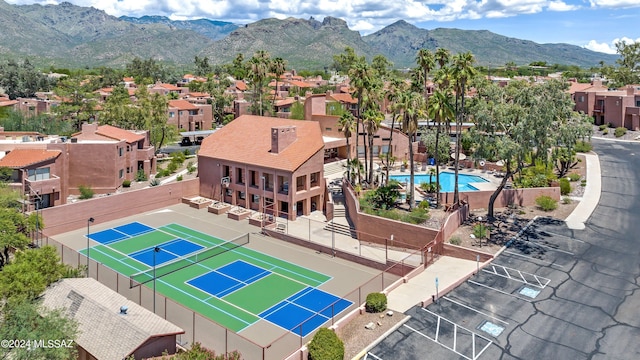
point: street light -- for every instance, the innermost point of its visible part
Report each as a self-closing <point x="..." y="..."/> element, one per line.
<point x="155" y="250"/>
<point x="264" y="203"/>
<point x="89" y="221"/>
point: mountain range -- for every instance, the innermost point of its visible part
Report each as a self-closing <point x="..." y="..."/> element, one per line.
<point x="67" y="35"/>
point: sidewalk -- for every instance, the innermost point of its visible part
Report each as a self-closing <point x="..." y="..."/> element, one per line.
<point x="591" y="196"/>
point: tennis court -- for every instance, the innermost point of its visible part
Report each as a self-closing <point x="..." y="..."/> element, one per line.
<point x="228" y="283"/>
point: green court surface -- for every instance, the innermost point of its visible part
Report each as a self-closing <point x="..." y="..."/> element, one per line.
<point x="236" y="309"/>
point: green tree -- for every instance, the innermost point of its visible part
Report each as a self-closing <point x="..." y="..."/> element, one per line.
<point x="297" y="111"/>
<point x="21" y="79"/>
<point x="345" y="61"/>
<point x="395" y="88"/>
<point x="463" y="71"/>
<point x="346" y="126"/>
<point x="277" y="67"/>
<point x="361" y="79"/>
<point x="413" y="107"/>
<point x="118" y="108"/>
<point x="31" y="272"/>
<point x="78" y="101"/>
<point x="28" y="320"/>
<point x="220" y="100"/>
<point x="258" y="67"/>
<point x="426" y="61"/>
<point x="382" y="66"/>
<point x="203" y="68"/>
<point x="442" y="112"/>
<point x="371" y="120"/>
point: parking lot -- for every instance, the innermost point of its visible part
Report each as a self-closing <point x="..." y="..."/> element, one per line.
<point x="553" y="293"/>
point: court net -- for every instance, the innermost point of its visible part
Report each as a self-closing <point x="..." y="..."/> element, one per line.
<point x="182" y="262"/>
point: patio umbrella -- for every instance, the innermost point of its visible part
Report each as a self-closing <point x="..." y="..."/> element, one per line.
<point x="461" y="157"/>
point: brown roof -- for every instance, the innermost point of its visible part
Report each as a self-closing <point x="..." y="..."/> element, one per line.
<point x="119" y="134"/>
<point x="7" y="102"/>
<point x="241" y="85"/>
<point x="20" y="158"/>
<point x="285" y="102"/>
<point x="247" y="140"/>
<point x="170" y="87"/>
<point x="344" y="98"/>
<point x="182" y="105"/>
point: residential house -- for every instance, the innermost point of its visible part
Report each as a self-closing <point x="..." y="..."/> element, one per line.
<point x="620" y="108"/>
<point x="167" y="89"/>
<point x="187" y="116"/>
<point x="265" y="164"/>
<point x="111" y="327"/>
<point x="47" y="169"/>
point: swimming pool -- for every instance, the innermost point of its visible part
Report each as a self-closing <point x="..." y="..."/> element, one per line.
<point x="446" y="181"/>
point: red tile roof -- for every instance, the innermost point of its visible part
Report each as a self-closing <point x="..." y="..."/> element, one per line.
<point x="198" y="94"/>
<point x="247" y="140"/>
<point x="344" y="98"/>
<point x="119" y="134"/>
<point x="182" y="105"/>
<point x="241" y="85"/>
<point x="7" y="102"/>
<point x="169" y="87"/>
<point x="21" y="158"/>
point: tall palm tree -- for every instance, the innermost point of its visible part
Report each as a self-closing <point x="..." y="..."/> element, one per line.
<point x="442" y="56"/>
<point x="371" y="120"/>
<point x="441" y="111"/>
<point x="278" y="67"/>
<point x="412" y="104"/>
<point x="463" y="70"/>
<point x="426" y="61"/>
<point x="396" y="87"/>
<point x="360" y="75"/>
<point x="347" y="124"/>
<point x="258" y="68"/>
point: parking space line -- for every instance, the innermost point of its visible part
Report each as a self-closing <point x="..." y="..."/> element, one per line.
<point x="507" y="274"/>
<point x="472" y="309"/>
<point x="498" y="290"/>
<point x="533" y="258"/>
<point x="372" y="355"/>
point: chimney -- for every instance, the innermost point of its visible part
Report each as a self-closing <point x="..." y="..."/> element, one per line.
<point x="596" y="82"/>
<point x="630" y="90"/>
<point x="281" y="137"/>
<point x="89" y="128"/>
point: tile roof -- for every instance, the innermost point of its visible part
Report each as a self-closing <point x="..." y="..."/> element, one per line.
<point x="344" y="98"/>
<point x="119" y="134"/>
<point x="182" y="105"/>
<point x="21" y="158"/>
<point x="285" y="102"/>
<point x="247" y="140"/>
<point x="198" y="94"/>
<point x="241" y="85"/>
<point x="7" y="102"/>
<point x="169" y="87"/>
<point x="103" y="331"/>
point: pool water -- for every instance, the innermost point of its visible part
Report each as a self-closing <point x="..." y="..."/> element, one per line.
<point x="446" y="181"/>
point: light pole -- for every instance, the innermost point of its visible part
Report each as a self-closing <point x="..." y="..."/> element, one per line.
<point x="264" y="203"/>
<point x="155" y="250"/>
<point x="89" y="221"/>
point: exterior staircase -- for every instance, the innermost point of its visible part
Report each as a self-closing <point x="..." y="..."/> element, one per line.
<point x="334" y="168"/>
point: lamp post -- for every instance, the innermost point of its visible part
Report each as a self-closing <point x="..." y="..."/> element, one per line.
<point x="155" y="250"/>
<point x="264" y="204"/>
<point x="89" y="221"/>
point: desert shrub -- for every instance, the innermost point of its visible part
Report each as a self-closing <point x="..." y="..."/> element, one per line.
<point x="480" y="231"/>
<point x="619" y="131"/>
<point x="190" y="168"/>
<point x="583" y="146"/>
<point x="154" y="182"/>
<point x="546" y="203"/>
<point x="179" y="178"/>
<point x="376" y="302"/>
<point x="539" y="175"/>
<point x="574" y="177"/>
<point x="326" y="345"/>
<point x="565" y="186"/>
<point x="455" y="240"/>
<point x="605" y="131"/>
<point x="126" y="183"/>
<point x="141" y="176"/>
<point x="566" y="200"/>
<point x="583" y="183"/>
<point x="178" y="158"/>
<point x="602" y="127"/>
<point x="6" y="173"/>
<point x="424" y="204"/>
<point x="416" y="216"/>
<point x="172" y="167"/>
<point x="86" y="192"/>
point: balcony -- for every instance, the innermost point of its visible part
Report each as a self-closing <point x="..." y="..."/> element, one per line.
<point x="145" y="154"/>
<point x="45" y="186"/>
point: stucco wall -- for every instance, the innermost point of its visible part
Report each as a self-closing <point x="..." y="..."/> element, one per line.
<point x="63" y="218"/>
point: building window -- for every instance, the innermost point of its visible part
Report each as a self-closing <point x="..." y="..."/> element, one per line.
<point x="242" y="195"/>
<point x="581" y="98"/>
<point x="121" y="173"/>
<point x="255" y="198"/>
<point x="171" y="114"/>
<point x="39" y="174"/>
<point x="226" y="171"/>
<point x="128" y="170"/>
<point x="637" y="103"/>
<point x="120" y="152"/>
<point x="315" y="179"/>
<point x="228" y="192"/>
<point x="327" y="129"/>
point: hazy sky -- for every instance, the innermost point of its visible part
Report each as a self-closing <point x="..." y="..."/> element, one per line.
<point x="594" y="24"/>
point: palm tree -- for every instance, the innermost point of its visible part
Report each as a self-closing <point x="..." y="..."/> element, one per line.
<point x="463" y="70"/>
<point x="412" y="104"/>
<point x="426" y="61"/>
<point x="360" y="75"/>
<point x="441" y="111"/>
<point x="258" y="68"/>
<point x="396" y="87"/>
<point x="347" y="123"/>
<point x="278" y="66"/>
<point x="371" y="120"/>
<point x="442" y="57"/>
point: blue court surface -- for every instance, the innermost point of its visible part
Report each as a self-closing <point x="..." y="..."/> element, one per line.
<point x="119" y="233"/>
<point x="170" y="250"/>
<point x="305" y="311"/>
<point x="229" y="278"/>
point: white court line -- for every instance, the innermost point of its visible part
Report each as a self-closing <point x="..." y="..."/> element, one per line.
<point x="498" y="290"/>
<point x="533" y="258"/>
<point x="472" y="309"/>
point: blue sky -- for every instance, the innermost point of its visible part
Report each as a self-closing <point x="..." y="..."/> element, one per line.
<point x="594" y="24"/>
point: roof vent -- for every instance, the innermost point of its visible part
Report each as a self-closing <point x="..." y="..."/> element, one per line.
<point x="123" y="310"/>
<point x="74" y="140"/>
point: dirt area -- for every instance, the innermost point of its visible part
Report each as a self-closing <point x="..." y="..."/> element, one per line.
<point x="356" y="337"/>
<point x="508" y="221"/>
<point x="629" y="135"/>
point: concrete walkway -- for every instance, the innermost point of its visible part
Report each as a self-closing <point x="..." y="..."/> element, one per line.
<point x="591" y="195"/>
<point x="449" y="271"/>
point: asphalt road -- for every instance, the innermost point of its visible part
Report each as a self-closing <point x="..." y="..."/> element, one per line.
<point x="554" y="293"/>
